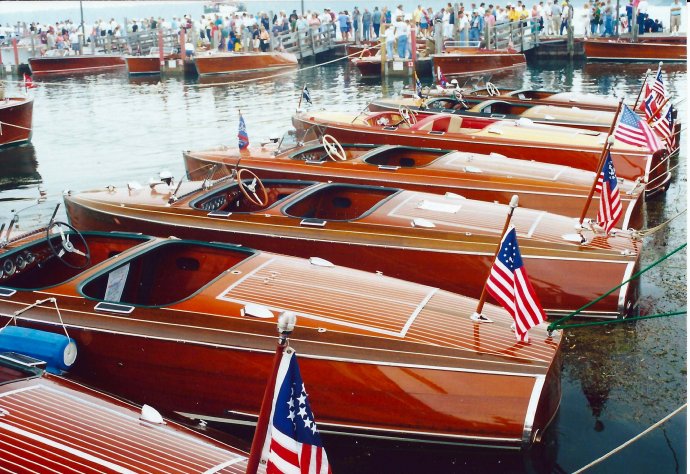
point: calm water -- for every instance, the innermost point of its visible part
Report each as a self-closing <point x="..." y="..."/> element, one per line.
<point x="93" y="131"/>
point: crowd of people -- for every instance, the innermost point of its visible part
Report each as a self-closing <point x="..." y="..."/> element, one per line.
<point x="243" y="31"/>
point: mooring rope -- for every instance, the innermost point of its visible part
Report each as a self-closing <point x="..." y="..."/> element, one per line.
<point x="652" y="230"/>
<point x="558" y="323"/>
<point x="632" y="440"/>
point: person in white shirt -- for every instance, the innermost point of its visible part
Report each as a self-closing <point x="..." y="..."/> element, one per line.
<point x="402" y="34"/>
<point x="389" y="35"/>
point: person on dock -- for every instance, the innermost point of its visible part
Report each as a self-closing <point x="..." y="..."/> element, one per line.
<point x="608" y="19"/>
<point x="389" y="35"/>
<point x="376" y="22"/>
<point x="475" y="27"/>
<point x="356" y="21"/>
<point x="366" y="25"/>
<point x="676" y="11"/>
<point x="402" y="33"/>
<point x="556" y="12"/>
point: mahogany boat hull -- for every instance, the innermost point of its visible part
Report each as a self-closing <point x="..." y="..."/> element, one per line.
<point x="371" y="66"/>
<point x="48" y="65"/>
<point x="435" y="387"/>
<point x="629" y="165"/>
<point x="605" y="50"/>
<point x="562" y="281"/>
<point x="143" y="65"/>
<point x="566" y="202"/>
<point x="458" y="64"/>
<point x="16" y="115"/>
<point x="224" y="63"/>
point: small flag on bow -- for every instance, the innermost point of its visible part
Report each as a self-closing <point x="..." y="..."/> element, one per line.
<point x="610" y="208"/>
<point x="293" y="444"/>
<point x="28" y="82"/>
<point x="242" y="137"/>
<point x="509" y="284"/>
<point x="441" y="78"/>
<point x="659" y="88"/>
<point x="633" y="131"/>
<point x="417" y="86"/>
<point x="665" y="128"/>
<point x="306" y="96"/>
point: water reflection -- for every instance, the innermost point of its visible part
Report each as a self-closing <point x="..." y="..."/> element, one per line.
<point x="18" y="168"/>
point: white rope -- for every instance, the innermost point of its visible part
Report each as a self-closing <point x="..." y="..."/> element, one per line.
<point x="630" y="441"/>
<point x="651" y="230"/>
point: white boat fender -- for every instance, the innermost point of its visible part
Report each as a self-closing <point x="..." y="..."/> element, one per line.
<point x="58" y="351"/>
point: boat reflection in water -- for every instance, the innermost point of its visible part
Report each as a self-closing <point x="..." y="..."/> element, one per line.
<point x="18" y="167"/>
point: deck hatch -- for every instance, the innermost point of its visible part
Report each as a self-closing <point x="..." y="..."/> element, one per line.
<point x="7" y="292"/>
<point x="114" y="307"/>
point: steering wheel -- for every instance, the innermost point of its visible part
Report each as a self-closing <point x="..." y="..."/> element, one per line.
<point x="66" y="246"/>
<point x="333" y="148"/>
<point x="249" y="190"/>
<point x="408" y="116"/>
<point x="491" y="89"/>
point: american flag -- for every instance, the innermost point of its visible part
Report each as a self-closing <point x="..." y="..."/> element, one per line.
<point x="242" y="137"/>
<point x="659" y="88"/>
<point x="509" y="284"/>
<point x="441" y="78"/>
<point x="417" y="86"/>
<point x="610" y="208"/>
<point x="294" y="444"/>
<point x="665" y="128"/>
<point x="633" y="131"/>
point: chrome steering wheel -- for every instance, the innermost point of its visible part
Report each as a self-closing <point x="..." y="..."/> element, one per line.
<point x="66" y="246"/>
<point x="333" y="148"/>
<point x="491" y="89"/>
<point x="250" y="190"/>
<point x="408" y="116"/>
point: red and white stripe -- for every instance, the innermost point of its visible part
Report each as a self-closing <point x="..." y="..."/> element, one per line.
<point x="289" y="456"/>
<point x="610" y="207"/>
<point x="515" y="293"/>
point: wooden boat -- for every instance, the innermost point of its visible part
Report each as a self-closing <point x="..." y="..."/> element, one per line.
<point x="364" y="49"/>
<point x="494" y="178"/>
<point x="415" y="236"/>
<point x="521" y="139"/>
<point x="465" y="61"/>
<point x="224" y="63"/>
<point x="52" y="424"/>
<point x="603" y="49"/>
<point x="147" y="313"/>
<point x="370" y="66"/>
<point x="70" y="64"/>
<point x="502" y="110"/>
<point x="16" y="115"/>
<point x="149" y="63"/>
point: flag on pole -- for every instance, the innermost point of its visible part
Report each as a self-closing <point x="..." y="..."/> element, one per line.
<point x="417" y="86"/>
<point x="509" y="284"/>
<point x="647" y="93"/>
<point x="242" y="137"/>
<point x="28" y="82"/>
<point x="306" y="96"/>
<point x="441" y="78"/>
<point x="650" y="107"/>
<point x="659" y="88"/>
<point x="610" y="208"/>
<point x="665" y="127"/>
<point x="633" y="131"/>
<point x="293" y="444"/>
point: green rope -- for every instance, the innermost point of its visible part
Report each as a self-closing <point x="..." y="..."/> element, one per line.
<point x="553" y="325"/>
<point x="614" y="321"/>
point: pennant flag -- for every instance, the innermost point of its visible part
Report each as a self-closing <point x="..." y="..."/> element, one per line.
<point x="650" y="107"/>
<point x="28" y="82"/>
<point x="306" y="96"/>
<point x="633" y="131"/>
<point x="417" y="86"/>
<point x="293" y="444"/>
<point x="509" y="284"/>
<point x="610" y="208"/>
<point x="665" y="127"/>
<point x="647" y="93"/>
<point x="441" y="78"/>
<point x="242" y="137"/>
<point x="659" y="88"/>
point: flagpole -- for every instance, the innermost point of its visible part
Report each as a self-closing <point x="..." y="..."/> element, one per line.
<point x="637" y="101"/>
<point x="477" y="316"/>
<point x="286" y="323"/>
<point x="299" y="104"/>
<point x="600" y="165"/>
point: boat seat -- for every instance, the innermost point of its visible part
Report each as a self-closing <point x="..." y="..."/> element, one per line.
<point x="440" y="123"/>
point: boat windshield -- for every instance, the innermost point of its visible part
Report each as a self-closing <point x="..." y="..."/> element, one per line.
<point x="291" y="139"/>
<point x="339" y="202"/>
<point x="231" y="198"/>
<point x="164" y="274"/>
<point x="45" y="262"/>
<point x="317" y="153"/>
